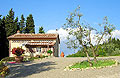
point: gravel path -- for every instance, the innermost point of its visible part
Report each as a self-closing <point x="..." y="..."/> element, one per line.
<point x="54" y="68"/>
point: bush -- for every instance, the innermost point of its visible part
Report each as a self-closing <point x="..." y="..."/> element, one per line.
<point x="116" y="52"/>
<point x="32" y="58"/>
<point x="78" y="54"/>
<point x="49" y="51"/>
<point x="4" y="70"/>
<point x="8" y="59"/>
<point x="110" y="48"/>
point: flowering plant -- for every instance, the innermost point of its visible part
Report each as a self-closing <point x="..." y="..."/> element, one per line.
<point x="18" y="51"/>
<point x="49" y="51"/>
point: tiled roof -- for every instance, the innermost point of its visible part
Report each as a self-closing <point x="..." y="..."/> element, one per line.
<point x="40" y="43"/>
<point x="32" y="36"/>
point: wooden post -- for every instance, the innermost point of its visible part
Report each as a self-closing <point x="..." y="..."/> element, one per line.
<point x="48" y="46"/>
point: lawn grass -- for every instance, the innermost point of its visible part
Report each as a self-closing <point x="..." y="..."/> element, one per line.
<point x="100" y="63"/>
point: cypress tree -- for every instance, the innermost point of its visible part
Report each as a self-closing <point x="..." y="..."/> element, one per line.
<point x="3" y="39"/>
<point x="41" y="30"/>
<point x="16" y="24"/>
<point x="22" y="24"/>
<point x="11" y="25"/>
<point x="1" y="28"/>
<point x="30" y="24"/>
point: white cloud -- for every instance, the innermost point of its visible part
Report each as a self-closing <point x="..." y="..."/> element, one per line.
<point x="63" y="34"/>
<point x="116" y="34"/>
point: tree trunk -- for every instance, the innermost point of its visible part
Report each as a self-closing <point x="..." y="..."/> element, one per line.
<point x="88" y="58"/>
<point x="93" y="50"/>
<point x="94" y="54"/>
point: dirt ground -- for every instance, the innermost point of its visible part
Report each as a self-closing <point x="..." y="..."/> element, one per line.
<point x="54" y="68"/>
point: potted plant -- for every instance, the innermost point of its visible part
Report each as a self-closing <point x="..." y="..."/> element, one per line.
<point x="50" y="52"/>
<point x="18" y="52"/>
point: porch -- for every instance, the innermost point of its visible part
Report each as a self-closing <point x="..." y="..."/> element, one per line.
<point x="38" y="48"/>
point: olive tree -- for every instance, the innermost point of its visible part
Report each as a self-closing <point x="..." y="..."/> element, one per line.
<point x="80" y="33"/>
<point x="101" y="35"/>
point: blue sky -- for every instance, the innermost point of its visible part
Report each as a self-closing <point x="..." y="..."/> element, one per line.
<point x="51" y="14"/>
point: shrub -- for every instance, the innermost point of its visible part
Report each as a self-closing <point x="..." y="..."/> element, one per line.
<point x="45" y="56"/>
<point x="28" y="59"/>
<point x="8" y="59"/>
<point x="78" y="54"/>
<point x="4" y="70"/>
<point x="116" y="52"/>
<point x="49" y="51"/>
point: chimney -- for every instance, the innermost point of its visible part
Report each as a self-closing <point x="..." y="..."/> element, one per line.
<point x="56" y="29"/>
<point x="18" y="32"/>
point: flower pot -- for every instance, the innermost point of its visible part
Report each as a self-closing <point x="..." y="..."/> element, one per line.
<point x="62" y="54"/>
<point x="18" y="59"/>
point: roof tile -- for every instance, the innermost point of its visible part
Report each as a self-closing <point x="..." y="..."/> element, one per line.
<point x="33" y="36"/>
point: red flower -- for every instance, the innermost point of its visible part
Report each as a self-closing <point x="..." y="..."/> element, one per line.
<point x="13" y="50"/>
<point x="17" y="51"/>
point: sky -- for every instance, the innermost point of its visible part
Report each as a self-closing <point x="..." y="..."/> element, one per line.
<point x="52" y="14"/>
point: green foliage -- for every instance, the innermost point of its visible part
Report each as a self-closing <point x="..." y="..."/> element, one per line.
<point x="11" y="25"/>
<point x="49" y="51"/>
<point x="41" y="30"/>
<point x="78" y="31"/>
<point x="24" y="59"/>
<point x="22" y="24"/>
<point x="110" y="48"/>
<point x="33" y="58"/>
<point x="82" y="31"/>
<point x="100" y="63"/>
<point x="3" y="39"/>
<point x="1" y="65"/>
<point x="8" y="59"/>
<point x="4" y="70"/>
<point x="17" y="24"/>
<point x="78" y="54"/>
<point x="30" y="59"/>
<point x="72" y="24"/>
<point x="30" y="27"/>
